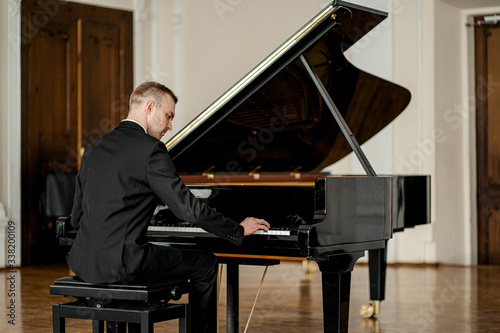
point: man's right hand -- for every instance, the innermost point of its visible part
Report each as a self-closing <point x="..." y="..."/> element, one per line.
<point x="252" y="224"/>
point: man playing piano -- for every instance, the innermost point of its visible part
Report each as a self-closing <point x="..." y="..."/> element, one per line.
<point x="123" y="176"/>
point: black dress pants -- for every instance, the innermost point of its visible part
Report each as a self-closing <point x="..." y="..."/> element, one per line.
<point x="200" y="267"/>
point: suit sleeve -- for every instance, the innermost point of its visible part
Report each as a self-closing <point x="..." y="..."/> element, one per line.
<point x="168" y="186"/>
<point x="76" y="211"/>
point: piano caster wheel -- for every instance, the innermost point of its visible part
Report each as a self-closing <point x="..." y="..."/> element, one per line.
<point x="309" y="266"/>
<point x="369" y="310"/>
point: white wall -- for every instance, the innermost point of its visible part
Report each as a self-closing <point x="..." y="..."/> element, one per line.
<point x="4" y="135"/>
<point x="413" y="59"/>
<point x="223" y="40"/>
<point x="450" y="221"/>
<point x="4" y="120"/>
<point x="10" y="117"/>
<point x="116" y="4"/>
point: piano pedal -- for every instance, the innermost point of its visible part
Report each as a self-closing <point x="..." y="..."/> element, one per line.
<point x="369" y="310"/>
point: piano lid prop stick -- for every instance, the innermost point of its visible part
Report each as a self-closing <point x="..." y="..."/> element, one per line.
<point x="256" y="298"/>
<point x="219" y="283"/>
<point x="339" y="119"/>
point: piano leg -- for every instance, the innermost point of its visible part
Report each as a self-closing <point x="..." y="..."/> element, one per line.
<point x="377" y="263"/>
<point x="233" y="285"/>
<point x="336" y="285"/>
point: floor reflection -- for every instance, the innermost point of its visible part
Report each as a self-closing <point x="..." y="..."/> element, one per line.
<point x="371" y="325"/>
<point x="418" y="299"/>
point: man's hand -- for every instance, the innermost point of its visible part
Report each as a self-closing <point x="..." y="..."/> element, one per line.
<point x="251" y="225"/>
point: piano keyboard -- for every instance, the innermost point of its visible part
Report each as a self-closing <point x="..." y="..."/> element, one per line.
<point x="198" y="230"/>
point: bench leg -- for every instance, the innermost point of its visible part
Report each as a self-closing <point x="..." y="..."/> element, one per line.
<point x="58" y="324"/>
<point x="134" y="328"/>
<point x="185" y="321"/>
<point x="146" y="323"/>
<point x="97" y="326"/>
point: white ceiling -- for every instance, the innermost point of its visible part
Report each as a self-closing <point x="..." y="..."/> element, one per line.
<point x="469" y="4"/>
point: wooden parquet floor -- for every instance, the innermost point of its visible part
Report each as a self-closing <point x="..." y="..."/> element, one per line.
<point x="418" y="299"/>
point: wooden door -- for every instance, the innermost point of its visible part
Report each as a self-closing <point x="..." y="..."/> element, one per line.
<point x="487" y="40"/>
<point x="76" y="78"/>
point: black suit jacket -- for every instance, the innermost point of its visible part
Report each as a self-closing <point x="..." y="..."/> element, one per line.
<point x="123" y="176"/>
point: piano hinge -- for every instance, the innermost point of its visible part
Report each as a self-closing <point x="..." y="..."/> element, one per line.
<point x="209" y="174"/>
<point x="295" y="172"/>
<point x="253" y="173"/>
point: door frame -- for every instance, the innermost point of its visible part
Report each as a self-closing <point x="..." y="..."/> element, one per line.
<point x="483" y="199"/>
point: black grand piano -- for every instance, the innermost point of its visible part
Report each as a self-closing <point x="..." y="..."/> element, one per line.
<point x="259" y="150"/>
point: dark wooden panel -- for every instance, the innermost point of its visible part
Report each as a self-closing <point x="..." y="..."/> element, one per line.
<point x="494" y="236"/>
<point x="487" y="47"/>
<point x="493" y="106"/>
<point x="101" y="66"/>
<point x="56" y="64"/>
<point x="52" y="109"/>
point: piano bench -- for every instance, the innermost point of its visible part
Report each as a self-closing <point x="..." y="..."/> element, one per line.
<point x="139" y="305"/>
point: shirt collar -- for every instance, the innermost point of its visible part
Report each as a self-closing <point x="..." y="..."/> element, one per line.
<point x="138" y="123"/>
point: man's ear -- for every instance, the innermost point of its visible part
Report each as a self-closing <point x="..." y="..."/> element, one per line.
<point x="149" y="107"/>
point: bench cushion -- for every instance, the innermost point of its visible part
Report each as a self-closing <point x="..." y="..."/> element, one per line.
<point x="152" y="291"/>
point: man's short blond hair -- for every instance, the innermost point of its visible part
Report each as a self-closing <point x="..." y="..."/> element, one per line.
<point x="150" y="91"/>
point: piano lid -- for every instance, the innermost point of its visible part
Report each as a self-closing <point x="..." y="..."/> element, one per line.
<point x="274" y="119"/>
